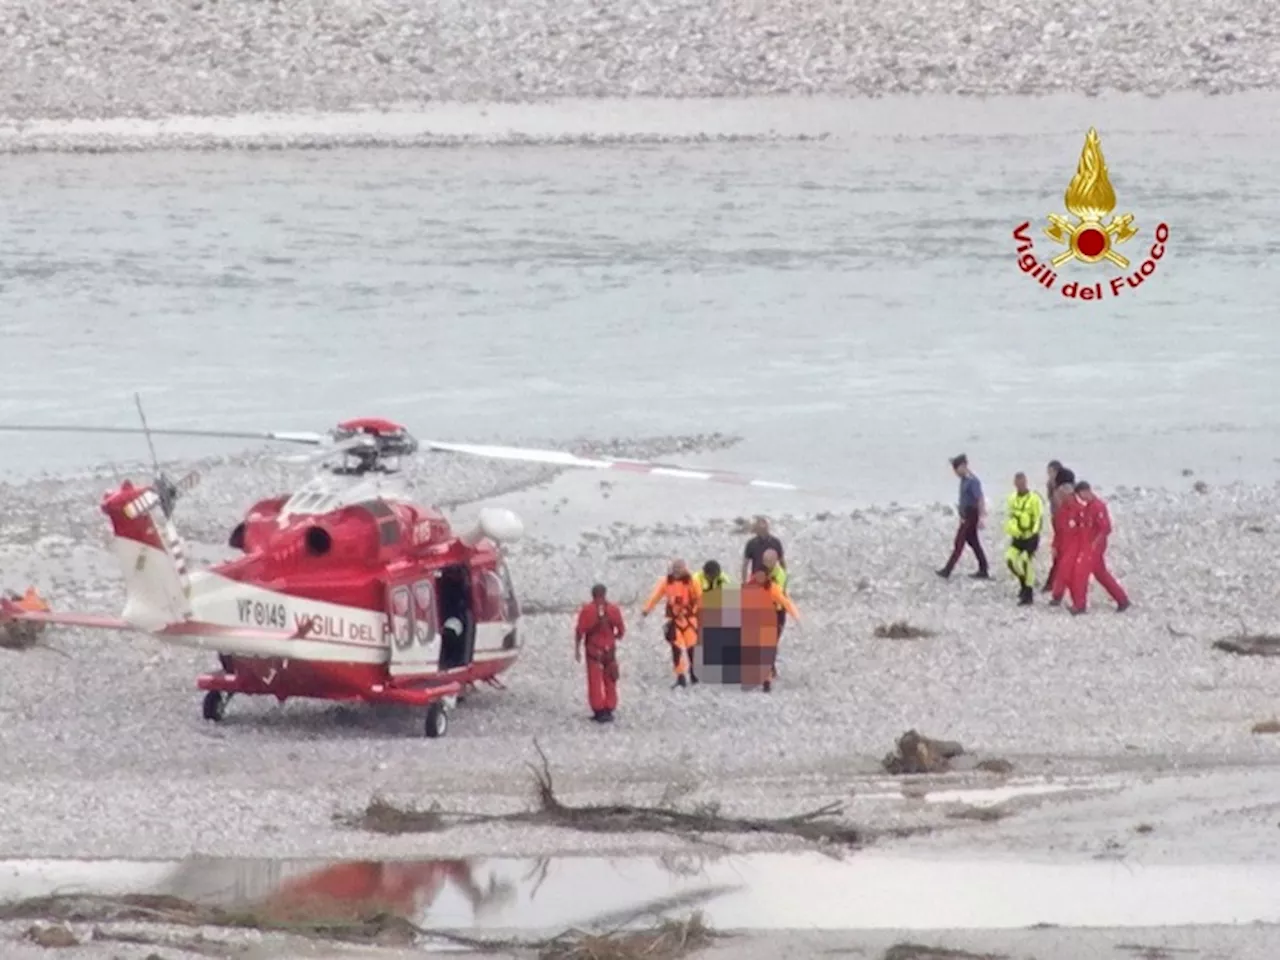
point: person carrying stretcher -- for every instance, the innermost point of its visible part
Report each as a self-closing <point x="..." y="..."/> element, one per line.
<point x="760" y="593"/>
<point x="684" y="603"/>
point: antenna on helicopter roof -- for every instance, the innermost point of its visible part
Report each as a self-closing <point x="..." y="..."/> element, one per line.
<point x="164" y="487"/>
<point x="146" y="431"/>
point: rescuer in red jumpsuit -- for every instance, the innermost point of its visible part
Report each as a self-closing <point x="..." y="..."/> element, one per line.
<point x="1058" y="477"/>
<point x="600" y="626"/>
<point x="1066" y="541"/>
<point x="1095" y="528"/>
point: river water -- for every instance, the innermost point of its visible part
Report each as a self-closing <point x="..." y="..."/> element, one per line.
<point x="851" y="306"/>
<point x="762" y="891"/>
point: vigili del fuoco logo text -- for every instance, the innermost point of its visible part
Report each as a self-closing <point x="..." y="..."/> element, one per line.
<point x="1089" y="199"/>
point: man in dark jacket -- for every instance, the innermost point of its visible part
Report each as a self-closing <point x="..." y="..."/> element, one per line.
<point x="753" y="554"/>
<point x="972" y="507"/>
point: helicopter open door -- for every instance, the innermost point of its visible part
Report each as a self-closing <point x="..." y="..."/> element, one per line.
<point x="457" y="617"/>
<point x="411" y="611"/>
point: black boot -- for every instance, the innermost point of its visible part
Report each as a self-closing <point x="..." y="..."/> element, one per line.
<point x="1027" y="596"/>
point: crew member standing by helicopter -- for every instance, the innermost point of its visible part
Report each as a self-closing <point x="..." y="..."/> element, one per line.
<point x="684" y="603"/>
<point x="600" y="626"/>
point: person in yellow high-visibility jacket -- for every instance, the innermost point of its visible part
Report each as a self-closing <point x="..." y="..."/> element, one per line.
<point x="711" y="577"/>
<point x="1024" y="518"/>
<point x="684" y="603"/>
<point x="778" y="576"/>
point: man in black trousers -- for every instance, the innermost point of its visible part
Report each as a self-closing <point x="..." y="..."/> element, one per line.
<point x="973" y="511"/>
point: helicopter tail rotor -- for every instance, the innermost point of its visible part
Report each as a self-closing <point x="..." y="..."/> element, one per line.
<point x="170" y="492"/>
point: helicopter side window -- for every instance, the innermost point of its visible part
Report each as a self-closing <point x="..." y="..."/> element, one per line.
<point x="510" y="605"/>
<point x="401" y="618"/>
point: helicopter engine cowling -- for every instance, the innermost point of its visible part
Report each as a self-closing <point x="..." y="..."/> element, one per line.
<point x="498" y="524"/>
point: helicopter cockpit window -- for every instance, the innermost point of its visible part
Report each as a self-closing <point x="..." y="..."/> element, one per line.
<point x="378" y="508"/>
<point x="388" y="532"/>
<point x="312" y="502"/>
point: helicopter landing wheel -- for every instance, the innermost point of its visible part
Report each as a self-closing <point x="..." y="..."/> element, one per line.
<point x="437" y="720"/>
<point x="215" y="705"/>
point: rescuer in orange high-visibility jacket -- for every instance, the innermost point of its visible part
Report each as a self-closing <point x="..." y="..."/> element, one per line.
<point x="762" y="583"/>
<point x="684" y="604"/>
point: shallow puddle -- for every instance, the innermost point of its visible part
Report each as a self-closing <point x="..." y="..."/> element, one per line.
<point x="892" y="790"/>
<point x="758" y="892"/>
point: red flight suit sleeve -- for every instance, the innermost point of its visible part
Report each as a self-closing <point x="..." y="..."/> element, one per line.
<point x="1103" y="519"/>
<point x="615" y="618"/>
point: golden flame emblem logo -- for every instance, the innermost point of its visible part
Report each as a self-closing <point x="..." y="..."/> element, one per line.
<point x="1089" y="198"/>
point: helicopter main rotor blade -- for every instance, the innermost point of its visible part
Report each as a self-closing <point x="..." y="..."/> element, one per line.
<point x="284" y="436"/>
<point x="331" y="450"/>
<point x="560" y="458"/>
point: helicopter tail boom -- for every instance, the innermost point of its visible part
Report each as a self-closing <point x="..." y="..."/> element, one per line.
<point x="152" y="558"/>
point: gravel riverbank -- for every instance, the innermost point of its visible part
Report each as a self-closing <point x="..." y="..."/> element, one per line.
<point x="148" y="58"/>
<point x="106" y="753"/>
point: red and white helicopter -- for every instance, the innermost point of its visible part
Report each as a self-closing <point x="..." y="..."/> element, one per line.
<point x="343" y="590"/>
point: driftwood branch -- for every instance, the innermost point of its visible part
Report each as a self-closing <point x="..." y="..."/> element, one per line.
<point x="818" y="825"/>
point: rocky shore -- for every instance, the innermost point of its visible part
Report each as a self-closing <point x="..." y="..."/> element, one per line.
<point x="149" y="58"/>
